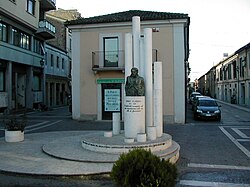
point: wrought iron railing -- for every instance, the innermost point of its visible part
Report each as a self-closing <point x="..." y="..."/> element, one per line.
<point x="47" y="25"/>
<point x="112" y="60"/>
<point x="108" y="60"/>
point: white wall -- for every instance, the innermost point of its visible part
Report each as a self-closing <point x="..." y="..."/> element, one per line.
<point x="179" y="73"/>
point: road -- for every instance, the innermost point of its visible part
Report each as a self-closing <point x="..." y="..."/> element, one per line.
<point x="212" y="153"/>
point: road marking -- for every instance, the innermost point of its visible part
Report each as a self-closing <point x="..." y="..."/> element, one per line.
<point x="212" y="166"/>
<point x="205" y="183"/>
<point x="243" y="140"/>
<point x="38" y="124"/>
<point x="241" y="147"/>
<point x="241" y="134"/>
<point x="40" y="127"/>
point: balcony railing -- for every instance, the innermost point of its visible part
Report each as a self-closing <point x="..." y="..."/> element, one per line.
<point x="108" y="61"/>
<point x="46" y="29"/>
<point x="112" y="60"/>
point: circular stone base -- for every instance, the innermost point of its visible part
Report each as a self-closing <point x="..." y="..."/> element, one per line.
<point x="70" y="148"/>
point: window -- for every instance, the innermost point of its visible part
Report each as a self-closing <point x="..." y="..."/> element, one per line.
<point x="25" y="41"/>
<point x="229" y="71"/>
<point x="57" y="61"/>
<point x="221" y="74"/>
<point x="234" y="69"/>
<point x="52" y="60"/>
<point x="249" y="60"/>
<point x="3" y="32"/>
<point x="31" y="6"/>
<point x="241" y="67"/>
<point x="37" y="46"/>
<point x="111" y="51"/>
<point x="20" y="39"/>
<point x="70" y="44"/>
<point x="225" y="73"/>
<point x="2" y="80"/>
<point x="62" y="63"/>
<point x="15" y="37"/>
<point x="36" y="83"/>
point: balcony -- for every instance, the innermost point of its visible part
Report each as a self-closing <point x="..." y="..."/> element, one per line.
<point x="108" y="61"/>
<point x="46" y="30"/>
<point x="113" y="60"/>
<point x="47" y="5"/>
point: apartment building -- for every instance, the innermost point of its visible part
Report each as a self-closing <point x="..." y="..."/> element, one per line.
<point x="98" y="62"/>
<point x="23" y="32"/>
<point x="232" y="78"/>
<point x="58" y="58"/>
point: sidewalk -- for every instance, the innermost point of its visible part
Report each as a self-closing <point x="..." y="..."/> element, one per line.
<point x="244" y="108"/>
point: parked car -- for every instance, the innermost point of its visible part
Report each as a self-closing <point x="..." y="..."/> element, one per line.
<point x="195" y="100"/>
<point x="192" y="96"/>
<point x="207" y="108"/>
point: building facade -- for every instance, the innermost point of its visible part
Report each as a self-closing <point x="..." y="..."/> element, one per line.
<point x="98" y="62"/>
<point x="232" y="78"/>
<point x="57" y="72"/>
<point x="23" y="32"/>
<point x="58" y="58"/>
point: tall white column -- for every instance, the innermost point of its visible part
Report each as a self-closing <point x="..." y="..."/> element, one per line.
<point x="128" y="54"/>
<point x="142" y="63"/>
<point x="158" y="107"/>
<point x="76" y="76"/>
<point x="148" y="76"/>
<point x="136" y="40"/>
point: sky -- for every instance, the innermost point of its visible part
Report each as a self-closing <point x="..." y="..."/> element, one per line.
<point x="216" y="26"/>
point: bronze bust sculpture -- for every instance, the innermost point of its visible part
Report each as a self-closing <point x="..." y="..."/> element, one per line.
<point x="134" y="84"/>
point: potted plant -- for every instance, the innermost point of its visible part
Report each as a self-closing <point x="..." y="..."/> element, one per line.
<point x="14" y="128"/>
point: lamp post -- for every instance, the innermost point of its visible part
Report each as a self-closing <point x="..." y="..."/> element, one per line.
<point x="42" y="62"/>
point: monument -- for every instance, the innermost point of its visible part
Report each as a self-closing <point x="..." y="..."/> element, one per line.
<point x="134" y="106"/>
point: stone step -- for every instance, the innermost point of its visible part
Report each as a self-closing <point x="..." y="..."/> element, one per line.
<point x="70" y="149"/>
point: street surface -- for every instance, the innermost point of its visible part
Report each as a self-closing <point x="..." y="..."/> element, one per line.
<point x="212" y="153"/>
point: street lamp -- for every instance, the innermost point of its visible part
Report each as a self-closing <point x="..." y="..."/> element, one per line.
<point x="42" y="62"/>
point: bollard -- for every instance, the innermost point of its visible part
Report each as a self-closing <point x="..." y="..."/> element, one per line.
<point x="116" y="123"/>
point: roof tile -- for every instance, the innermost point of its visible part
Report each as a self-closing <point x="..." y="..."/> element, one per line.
<point x="127" y="16"/>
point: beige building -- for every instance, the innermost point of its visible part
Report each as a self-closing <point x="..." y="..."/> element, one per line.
<point x="98" y="62"/>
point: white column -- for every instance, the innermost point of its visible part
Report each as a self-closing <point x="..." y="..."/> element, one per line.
<point x="142" y="63"/>
<point x="76" y="72"/>
<point x="128" y="54"/>
<point x="99" y="101"/>
<point x="158" y="107"/>
<point x="148" y="76"/>
<point x="179" y="74"/>
<point x="136" y="40"/>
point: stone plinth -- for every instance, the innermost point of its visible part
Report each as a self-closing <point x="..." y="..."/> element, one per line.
<point x="134" y="116"/>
